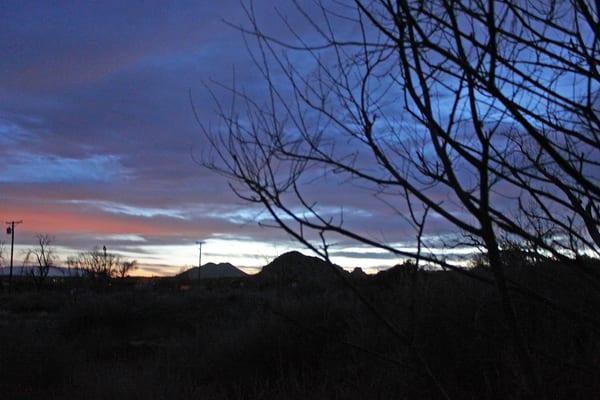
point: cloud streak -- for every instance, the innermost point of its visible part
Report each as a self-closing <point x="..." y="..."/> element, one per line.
<point x="97" y="135"/>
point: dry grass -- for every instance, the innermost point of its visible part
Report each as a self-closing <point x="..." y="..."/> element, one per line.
<point x="224" y="341"/>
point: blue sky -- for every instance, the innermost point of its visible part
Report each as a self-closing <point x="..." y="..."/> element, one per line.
<point x="98" y="139"/>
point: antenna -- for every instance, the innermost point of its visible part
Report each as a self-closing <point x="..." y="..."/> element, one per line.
<point x="199" y="243"/>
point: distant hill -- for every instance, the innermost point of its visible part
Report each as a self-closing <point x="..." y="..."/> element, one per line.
<point x="212" y="271"/>
<point x="26" y="271"/>
<point x="295" y="267"/>
<point x="358" y="273"/>
<point x="396" y="274"/>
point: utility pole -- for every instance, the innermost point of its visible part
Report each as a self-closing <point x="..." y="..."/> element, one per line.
<point x="11" y="231"/>
<point x="199" y="243"/>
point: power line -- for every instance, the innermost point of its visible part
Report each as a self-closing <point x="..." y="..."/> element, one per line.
<point x="11" y="231"/>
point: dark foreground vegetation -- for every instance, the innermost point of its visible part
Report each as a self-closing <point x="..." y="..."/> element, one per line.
<point x="289" y="338"/>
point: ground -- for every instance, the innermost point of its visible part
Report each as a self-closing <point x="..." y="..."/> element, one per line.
<point x="247" y="339"/>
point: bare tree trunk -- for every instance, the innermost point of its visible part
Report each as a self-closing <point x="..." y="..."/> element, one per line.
<point x="527" y="366"/>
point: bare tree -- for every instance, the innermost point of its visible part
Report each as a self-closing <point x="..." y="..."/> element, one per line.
<point x="125" y="267"/>
<point x="42" y="257"/>
<point x="479" y="116"/>
<point x="100" y="264"/>
<point x="97" y="264"/>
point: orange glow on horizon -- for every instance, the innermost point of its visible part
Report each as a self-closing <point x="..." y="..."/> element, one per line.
<point x="72" y="219"/>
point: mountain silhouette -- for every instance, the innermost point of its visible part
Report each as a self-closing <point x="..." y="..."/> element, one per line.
<point x="399" y="273"/>
<point x="295" y="267"/>
<point x="212" y="271"/>
<point x="358" y="273"/>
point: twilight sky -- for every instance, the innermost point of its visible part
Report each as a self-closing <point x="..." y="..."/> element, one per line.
<point x="97" y="135"/>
